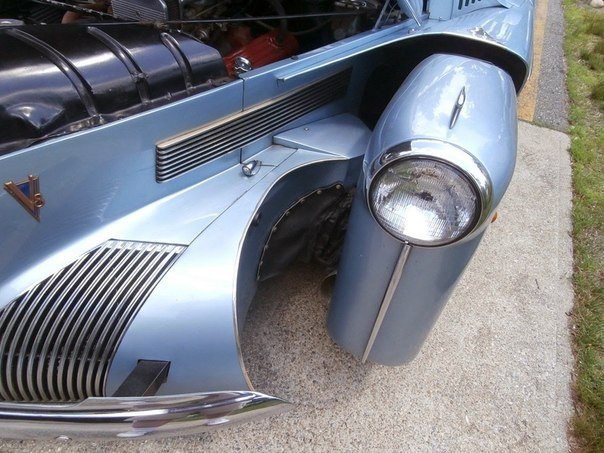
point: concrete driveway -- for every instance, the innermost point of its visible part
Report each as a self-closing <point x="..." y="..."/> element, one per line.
<point x="494" y="374"/>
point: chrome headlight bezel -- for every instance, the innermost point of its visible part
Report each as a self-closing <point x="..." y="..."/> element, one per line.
<point x="445" y="153"/>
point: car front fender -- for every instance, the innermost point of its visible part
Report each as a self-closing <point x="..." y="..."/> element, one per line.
<point x="388" y="294"/>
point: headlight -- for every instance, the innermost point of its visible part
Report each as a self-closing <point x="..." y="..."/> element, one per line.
<point x="428" y="193"/>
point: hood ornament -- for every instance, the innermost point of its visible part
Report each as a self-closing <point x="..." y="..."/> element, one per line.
<point x="27" y="193"/>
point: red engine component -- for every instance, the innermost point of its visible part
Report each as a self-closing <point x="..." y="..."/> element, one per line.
<point x="265" y="49"/>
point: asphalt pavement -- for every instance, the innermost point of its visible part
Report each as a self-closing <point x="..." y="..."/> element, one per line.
<point x="544" y="100"/>
<point x="552" y="100"/>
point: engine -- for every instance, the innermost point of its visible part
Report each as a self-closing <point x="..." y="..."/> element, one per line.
<point x="218" y="40"/>
<point x="283" y="28"/>
<point x="253" y="43"/>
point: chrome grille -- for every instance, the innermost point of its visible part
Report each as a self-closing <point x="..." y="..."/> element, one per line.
<point x="58" y="339"/>
<point x="192" y="149"/>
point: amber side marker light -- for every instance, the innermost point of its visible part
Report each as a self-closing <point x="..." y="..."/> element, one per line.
<point x="495" y="217"/>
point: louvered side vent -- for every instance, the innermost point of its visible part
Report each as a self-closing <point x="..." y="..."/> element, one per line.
<point x="466" y="3"/>
<point x="192" y="149"/>
<point x="58" y="339"/>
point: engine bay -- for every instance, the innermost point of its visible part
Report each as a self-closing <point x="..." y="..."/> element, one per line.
<point x="91" y="62"/>
<point x="247" y="33"/>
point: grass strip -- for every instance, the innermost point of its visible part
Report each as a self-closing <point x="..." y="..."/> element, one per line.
<point x="584" y="48"/>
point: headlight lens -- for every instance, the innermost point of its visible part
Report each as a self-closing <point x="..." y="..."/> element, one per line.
<point x="424" y="201"/>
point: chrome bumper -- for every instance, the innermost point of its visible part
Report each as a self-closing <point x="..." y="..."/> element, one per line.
<point x="151" y="416"/>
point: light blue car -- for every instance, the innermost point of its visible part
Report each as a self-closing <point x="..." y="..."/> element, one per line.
<point x="159" y="158"/>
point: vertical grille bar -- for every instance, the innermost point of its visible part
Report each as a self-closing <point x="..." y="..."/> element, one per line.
<point x="57" y="340"/>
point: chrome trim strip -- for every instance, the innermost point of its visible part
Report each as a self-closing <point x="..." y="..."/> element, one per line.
<point x="179" y="154"/>
<point x="193" y="133"/>
<point x="128" y="417"/>
<point x="394" y="280"/>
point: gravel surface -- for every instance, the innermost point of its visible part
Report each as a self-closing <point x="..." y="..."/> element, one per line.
<point x="552" y="100"/>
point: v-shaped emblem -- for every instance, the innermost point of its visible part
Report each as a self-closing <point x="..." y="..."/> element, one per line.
<point x="28" y="195"/>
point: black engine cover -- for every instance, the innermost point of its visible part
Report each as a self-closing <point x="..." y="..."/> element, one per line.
<point x="58" y="79"/>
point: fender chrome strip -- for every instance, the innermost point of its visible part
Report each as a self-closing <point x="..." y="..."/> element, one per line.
<point x="394" y="280"/>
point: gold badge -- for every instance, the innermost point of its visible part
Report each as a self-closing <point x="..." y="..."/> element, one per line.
<point x="28" y="195"/>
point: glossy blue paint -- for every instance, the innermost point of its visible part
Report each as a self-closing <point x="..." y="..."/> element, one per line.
<point x="93" y="178"/>
<point x="99" y="184"/>
<point x="215" y="276"/>
<point x="427" y="282"/>
<point x="508" y="28"/>
<point x="364" y="272"/>
<point x="353" y="136"/>
<point x="421" y="109"/>
<point x="423" y="106"/>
